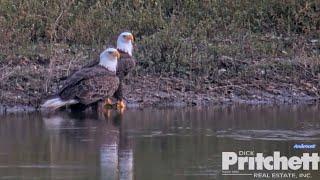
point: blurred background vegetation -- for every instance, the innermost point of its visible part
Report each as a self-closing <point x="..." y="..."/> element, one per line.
<point x="213" y="39"/>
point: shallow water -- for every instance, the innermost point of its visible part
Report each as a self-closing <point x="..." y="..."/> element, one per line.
<point x="184" y="143"/>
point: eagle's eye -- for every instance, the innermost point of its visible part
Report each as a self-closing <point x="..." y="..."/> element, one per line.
<point x="124" y="35"/>
<point x="110" y="52"/>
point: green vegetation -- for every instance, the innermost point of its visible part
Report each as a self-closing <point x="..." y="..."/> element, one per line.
<point x="188" y="39"/>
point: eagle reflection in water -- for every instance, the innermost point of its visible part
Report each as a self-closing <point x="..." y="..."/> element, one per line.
<point x="94" y="140"/>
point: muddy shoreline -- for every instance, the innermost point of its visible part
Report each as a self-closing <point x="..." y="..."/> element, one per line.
<point x="158" y="92"/>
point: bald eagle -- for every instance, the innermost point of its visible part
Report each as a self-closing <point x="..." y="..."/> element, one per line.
<point x="89" y="85"/>
<point x="126" y="63"/>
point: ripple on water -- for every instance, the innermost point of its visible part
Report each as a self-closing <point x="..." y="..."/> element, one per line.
<point x="44" y="166"/>
<point x="271" y="135"/>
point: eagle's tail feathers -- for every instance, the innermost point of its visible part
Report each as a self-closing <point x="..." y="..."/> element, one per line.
<point x="56" y="103"/>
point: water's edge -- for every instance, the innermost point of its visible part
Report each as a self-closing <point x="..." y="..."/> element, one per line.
<point x="132" y="105"/>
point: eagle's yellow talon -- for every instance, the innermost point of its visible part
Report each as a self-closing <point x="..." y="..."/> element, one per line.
<point x="121" y="105"/>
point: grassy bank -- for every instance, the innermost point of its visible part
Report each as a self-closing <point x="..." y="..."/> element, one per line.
<point x="210" y="44"/>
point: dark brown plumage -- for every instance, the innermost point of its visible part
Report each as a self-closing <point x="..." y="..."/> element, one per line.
<point x="90" y="85"/>
<point x="126" y="63"/>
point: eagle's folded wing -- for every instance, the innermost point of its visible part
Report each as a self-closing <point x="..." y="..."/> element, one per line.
<point x="91" y="64"/>
<point x="83" y="74"/>
<point x="76" y="78"/>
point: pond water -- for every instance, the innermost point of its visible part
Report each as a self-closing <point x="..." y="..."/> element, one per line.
<point x="145" y="144"/>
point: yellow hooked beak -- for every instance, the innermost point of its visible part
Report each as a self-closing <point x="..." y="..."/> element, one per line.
<point x="116" y="54"/>
<point x="130" y="37"/>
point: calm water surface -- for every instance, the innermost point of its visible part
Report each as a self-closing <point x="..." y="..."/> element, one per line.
<point x="157" y="144"/>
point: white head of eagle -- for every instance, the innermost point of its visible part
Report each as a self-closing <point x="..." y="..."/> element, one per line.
<point x="108" y="59"/>
<point x="124" y="42"/>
